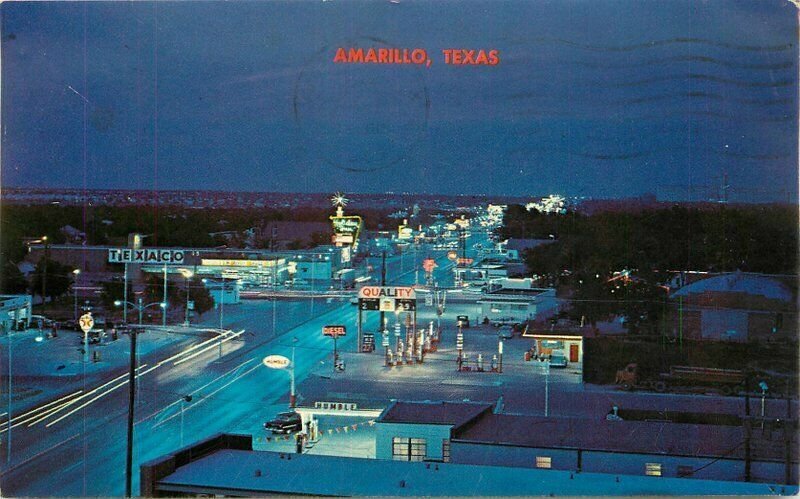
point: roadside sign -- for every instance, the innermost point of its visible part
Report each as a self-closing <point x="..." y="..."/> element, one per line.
<point x="190" y="304"/>
<point x="334" y="331"/>
<point x="86" y="322"/>
<point x="387" y="298"/>
<point x="126" y="255"/>
<point x="429" y="299"/>
<point x="387" y="292"/>
<point x="276" y="362"/>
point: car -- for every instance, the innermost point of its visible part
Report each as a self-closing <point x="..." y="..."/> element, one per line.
<point x="558" y="360"/>
<point x="285" y="422"/>
<point x="505" y="332"/>
<point x="502" y="321"/>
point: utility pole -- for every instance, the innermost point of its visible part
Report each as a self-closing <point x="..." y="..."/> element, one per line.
<point x="44" y="270"/>
<point x="383" y="283"/>
<point x="131" y="403"/>
<point x="747" y="427"/>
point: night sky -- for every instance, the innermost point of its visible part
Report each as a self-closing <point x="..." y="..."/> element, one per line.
<point x="594" y="98"/>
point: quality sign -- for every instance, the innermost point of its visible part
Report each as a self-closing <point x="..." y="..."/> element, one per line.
<point x="387" y="292"/>
<point x="166" y="256"/>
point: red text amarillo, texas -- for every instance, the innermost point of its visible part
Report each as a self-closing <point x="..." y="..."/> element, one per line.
<point x="461" y="57"/>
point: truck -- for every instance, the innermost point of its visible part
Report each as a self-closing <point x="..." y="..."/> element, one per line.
<point x="727" y="381"/>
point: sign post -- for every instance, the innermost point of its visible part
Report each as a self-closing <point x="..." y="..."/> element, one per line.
<point x="334" y="332"/>
<point x="87" y="323"/>
<point x="387" y="299"/>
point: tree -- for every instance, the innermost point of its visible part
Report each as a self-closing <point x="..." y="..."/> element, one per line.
<point x="12" y="281"/>
<point x="59" y="278"/>
<point x="203" y="302"/>
<point x="115" y="290"/>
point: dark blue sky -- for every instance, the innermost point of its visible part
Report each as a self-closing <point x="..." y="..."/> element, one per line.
<point x="592" y="98"/>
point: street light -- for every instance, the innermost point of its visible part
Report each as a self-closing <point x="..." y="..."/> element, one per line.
<point x="292" y="394"/>
<point x="764" y="388"/>
<point x="187" y="274"/>
<point x="75" y="289"/>
<point x="138" y="306"/>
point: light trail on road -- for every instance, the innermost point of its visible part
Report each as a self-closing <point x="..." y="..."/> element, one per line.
<point x="62" y="403"/>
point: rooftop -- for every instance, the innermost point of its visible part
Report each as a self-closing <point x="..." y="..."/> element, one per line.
<point x="427" y="412"/>
<point x="739" y="282"/>
<point x="253" y="473"/>
<point x="647" y="437"/>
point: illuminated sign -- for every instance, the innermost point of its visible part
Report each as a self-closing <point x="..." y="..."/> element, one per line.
<point x="404" y="232"/>
<point x="126" y="255"/>
<point x="239" y="263"/>
<point x="276" y="362"/>
<point x="346" y="230"/>
<point x="387" y="298"/>
<point x="387" y="292"/>
<point x="334" y="331"/>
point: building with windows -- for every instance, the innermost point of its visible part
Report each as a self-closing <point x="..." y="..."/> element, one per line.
<point x="421" y="431"/>
<point x="477" y="433"/>
<point x="518" y="303"/>
<point x="227" y="465"/>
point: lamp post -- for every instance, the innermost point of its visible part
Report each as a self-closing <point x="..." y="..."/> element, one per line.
<point x="187" y="274"/>
<point x="138" y="306"/>
<point x="44" y="270"/>
<point x="546" y="388"/>
<point x="164" y="315"/>
<point x="75" y="272"/>
<point x="292" y="394"/>
<point x="184" y="399"/>
<point x="764" y="388"/>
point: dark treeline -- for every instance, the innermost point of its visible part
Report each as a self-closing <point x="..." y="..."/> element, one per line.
<point x="165" y="226"/>
<point x="759" y="238"/>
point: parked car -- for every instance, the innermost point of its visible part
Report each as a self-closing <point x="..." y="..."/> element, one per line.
<point x="558" y="360"/>
<point x="502" y="321"/>
<point x="285" y="422"/>
<point x="505" y="332"/>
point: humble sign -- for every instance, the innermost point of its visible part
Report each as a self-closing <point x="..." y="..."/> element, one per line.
<point x="167" y="256"/>
<point x="276" y="362"/>
<point x="334" y="331"/>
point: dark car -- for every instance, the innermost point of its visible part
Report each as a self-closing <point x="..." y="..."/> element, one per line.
<point x="285" y="422"/>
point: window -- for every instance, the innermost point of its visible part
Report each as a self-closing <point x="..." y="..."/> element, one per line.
<point x="446" y="450"/>
<point x="409" y="449"/>
<point x="544" y="462"/>
<point x="652" y="469"/>
<point x="684" y="471"/>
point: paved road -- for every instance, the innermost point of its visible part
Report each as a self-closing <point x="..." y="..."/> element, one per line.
<point x="84" y="454"/>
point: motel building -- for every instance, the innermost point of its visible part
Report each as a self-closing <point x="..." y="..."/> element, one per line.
<point x="516" y="300"/>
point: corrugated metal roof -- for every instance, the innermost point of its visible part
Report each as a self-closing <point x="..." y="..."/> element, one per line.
<point x="739" y="282"/>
